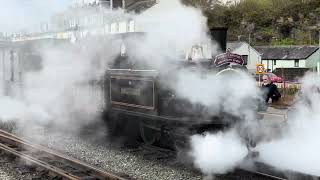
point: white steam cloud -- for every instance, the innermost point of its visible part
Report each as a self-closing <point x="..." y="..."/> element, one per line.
<point x="11" y="109"/>
<point x="58" y="92"/>
<point x="217" y="153"/>
<point x="298" y="148"/>
<point x="219" y="92"/>
<point x="171" y="29"/>
<point x="61" y="86"/>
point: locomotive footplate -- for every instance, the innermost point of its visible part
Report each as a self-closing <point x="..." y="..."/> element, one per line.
<point x="171" y="130"/>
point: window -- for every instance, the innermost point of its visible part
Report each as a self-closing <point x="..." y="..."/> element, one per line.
<point x="123" y="50"/>
<point x="245" y="58"/>
<point x="131" y="26"/>
<point x="122" y="27"/>
<point x="274" y="62"/>
<point x="113" y="28"/>
<point x="117" y="27"/>
<point x="86" y="21"/>
<point x="296" y="63"/>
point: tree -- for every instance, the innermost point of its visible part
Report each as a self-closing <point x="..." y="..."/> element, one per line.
<point x="205" y="5"/>
<point x="283" y="21"/>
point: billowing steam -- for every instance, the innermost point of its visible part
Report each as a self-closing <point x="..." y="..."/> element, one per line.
<point x="217" y="153"/>
<point x="11" y="109"/>
<point x="171" y="29"/>
<point x="61" y="87"/>
<point x="298" y="148"/>
<point x="60" y="91"/>
<point x="237" y="94"/>
<point x="226" y="92"/>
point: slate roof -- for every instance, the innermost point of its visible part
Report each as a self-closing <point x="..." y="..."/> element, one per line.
<point x="286" y="52"/>
<point x="139" y="5"/>
<point x="234" y="45"/>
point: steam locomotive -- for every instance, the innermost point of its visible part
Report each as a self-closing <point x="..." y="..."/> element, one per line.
<point x="139" y="101"/>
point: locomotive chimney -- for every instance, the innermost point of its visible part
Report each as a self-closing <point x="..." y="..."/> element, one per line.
<point x="219" y="35"/>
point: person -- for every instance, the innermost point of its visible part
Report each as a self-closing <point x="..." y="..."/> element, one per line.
<point x="270" y="89"/>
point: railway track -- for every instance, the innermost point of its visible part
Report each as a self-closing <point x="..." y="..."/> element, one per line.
<point x="267" y="170"/>
<point x="261" y="172"/>
<point x="56" y="166"/>
<point x="53" y="164"/>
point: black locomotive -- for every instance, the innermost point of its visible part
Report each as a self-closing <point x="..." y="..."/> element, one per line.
<point x="139" y="101"/>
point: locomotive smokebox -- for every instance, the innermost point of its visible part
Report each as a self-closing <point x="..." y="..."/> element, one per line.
<point x="219" y="36"/>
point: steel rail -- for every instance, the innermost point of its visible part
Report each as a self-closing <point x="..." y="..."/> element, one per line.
<point x="30" y="152"/>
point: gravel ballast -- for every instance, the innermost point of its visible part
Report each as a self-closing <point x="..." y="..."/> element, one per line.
<point x="11" y="170"/>
<point x="113" y="157"/>
<point x="93" y="147"/>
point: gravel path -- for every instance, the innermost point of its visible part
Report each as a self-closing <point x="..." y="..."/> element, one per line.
<point x="112" y="157"/>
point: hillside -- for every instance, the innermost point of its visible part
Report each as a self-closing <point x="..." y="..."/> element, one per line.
<point x="269" y="22"/>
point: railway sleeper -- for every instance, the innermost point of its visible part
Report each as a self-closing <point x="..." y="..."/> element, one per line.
<point x="88" y="178"/>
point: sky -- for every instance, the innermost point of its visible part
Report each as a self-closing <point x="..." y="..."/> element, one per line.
<point x="19" y="15"/>
<point x="16" y="15"/>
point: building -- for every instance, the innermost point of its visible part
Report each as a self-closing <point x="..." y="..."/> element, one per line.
<point x="89" y="18"/>
<point x="314" y="62"/>
<point x="250" y="55"/>
<point x="97" y="18"/>
<point x="274" y="57"/>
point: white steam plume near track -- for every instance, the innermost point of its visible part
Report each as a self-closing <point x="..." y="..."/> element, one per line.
<point x="298" y="148"/>
<point x="217" y="153"/>
<point x="221" y="152"/>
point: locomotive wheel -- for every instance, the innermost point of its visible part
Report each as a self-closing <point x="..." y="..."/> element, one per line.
<point x="149" y="133"/>
<point x="113" y="125"/>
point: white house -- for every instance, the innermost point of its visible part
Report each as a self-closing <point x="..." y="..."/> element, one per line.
<point x="250" y="55"/>
<point x="288" y="56"/>
<point x="313" y="61"/>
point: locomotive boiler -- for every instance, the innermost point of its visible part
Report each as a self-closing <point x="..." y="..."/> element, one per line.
<point x="138" y="100"/>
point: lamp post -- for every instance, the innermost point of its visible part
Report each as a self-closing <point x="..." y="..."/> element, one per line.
<point x="249" y="48"/>
<point x="12" y="65"/>
<point x="3" y="70"/>
<point x="318" y="63"/>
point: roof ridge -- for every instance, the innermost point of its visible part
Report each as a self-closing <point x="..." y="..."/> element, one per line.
<point x="236" y="41"/>
<point x="287" y="46"/>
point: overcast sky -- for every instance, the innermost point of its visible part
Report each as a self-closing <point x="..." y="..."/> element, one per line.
<point x="16" y="15"/>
